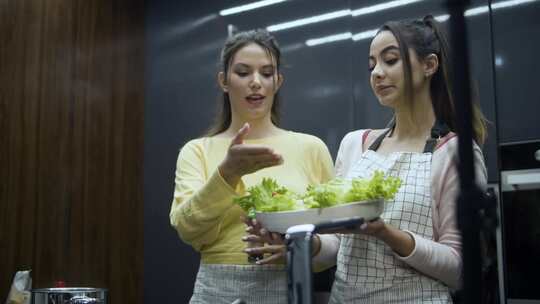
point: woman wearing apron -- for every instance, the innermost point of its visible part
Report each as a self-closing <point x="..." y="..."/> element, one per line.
<point x="243" y="147"/>
<point x="412" y="254"/>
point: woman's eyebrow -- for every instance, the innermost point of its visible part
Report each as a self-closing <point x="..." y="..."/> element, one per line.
<point x="385" y="50"/>
<point x="389" y="48"/>
<point x="242" y="65"/>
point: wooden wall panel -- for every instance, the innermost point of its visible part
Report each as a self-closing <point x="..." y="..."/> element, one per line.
<point x="71" y="126"/>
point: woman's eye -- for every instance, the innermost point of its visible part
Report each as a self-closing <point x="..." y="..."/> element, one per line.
<point x="371" y="65"/>
<point x="268" y="75"/>
<point x="242" y="74"/>
<point x="391" y="61"/>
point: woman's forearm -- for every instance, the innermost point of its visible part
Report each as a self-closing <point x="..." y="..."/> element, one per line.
<point x="400" y="241"/>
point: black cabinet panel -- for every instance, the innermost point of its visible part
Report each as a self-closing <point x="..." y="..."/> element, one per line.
<point x="515" y="40"/>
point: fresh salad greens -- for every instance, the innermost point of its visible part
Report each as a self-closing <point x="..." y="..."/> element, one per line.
<point x="268" y="196"/>
<point x="327" y="194"/>
<point x="376" y="187"/>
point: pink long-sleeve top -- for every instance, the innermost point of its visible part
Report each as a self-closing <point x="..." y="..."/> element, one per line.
<point x="439" y="257"/>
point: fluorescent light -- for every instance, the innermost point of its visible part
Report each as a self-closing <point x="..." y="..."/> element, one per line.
<point x="442" y="18"/>
<point x="309" y="20"/>
<point x="477" y="11"/>
<point x="339" y="14"/>
<point x="364" y="35"/>
<point x="501" y="4"/>
<point x="292" y="47"/>
<point x="382" y="6"/>
<point x="509" y="3"/>
<point x="248" y="7"/>
<point x="328" y="39"/>
<point x="371" y="33"/>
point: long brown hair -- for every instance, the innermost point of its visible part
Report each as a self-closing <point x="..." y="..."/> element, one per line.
<point x="232" y="45"/>
<point x="425" y="37"/>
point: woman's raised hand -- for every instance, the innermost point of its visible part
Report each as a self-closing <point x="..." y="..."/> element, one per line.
<point x="242" y="159"/>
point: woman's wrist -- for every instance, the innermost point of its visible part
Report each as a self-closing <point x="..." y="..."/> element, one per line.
<point x="400" y="241"/>
<point x="231" y="179"/>
<point x="385" y="233"/>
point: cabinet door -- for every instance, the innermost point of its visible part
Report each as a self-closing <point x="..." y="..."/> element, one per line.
<point x="516" y="29"/>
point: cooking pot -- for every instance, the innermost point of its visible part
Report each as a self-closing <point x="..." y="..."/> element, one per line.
<point x="71" y="295"/>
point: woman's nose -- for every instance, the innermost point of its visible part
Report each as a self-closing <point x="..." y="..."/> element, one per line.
<point x="255" y="82"/>
<point x="377" y="72"/>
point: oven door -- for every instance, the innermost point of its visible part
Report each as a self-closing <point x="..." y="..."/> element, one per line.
<point x="520" y="185"/>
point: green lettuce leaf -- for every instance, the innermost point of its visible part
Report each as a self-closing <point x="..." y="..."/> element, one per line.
<point x="326" y="195"/>
<point x="374" y="188"/>
<point x="269" y="196"/>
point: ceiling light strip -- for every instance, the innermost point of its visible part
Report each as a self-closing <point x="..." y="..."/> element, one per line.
<point x="309" y="20"/>
<point x="328" y="39"/>
<point x="381" y="7"/>
<point x="248" y="7"/>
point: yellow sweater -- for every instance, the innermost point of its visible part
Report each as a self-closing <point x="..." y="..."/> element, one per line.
<point x="202" y="210"/>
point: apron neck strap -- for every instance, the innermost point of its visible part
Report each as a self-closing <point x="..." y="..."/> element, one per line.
<point x="438" y="130"/>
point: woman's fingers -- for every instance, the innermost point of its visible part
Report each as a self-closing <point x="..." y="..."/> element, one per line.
<point x="271" y="259"/>
<point x="253" y="225"/>
<point x="269" y="163"/>
<point x="268" y="237"/>
<point x="276" y="239"/>
<point x="243" y="159"/>
<point x="239" y="137"/>
<point x="252" y="150"/>
<point x="252" y="238"/>
<point x="269" y="249"/>
<point x="246" y="161"/>
<point x="250" y="230"/>
<point x="277" y="253"/>
<point x="259" y="160"/>
<point x="244" y="153"/>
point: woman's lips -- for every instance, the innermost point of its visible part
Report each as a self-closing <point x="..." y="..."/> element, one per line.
<point x="383" y="90"/>
<point x="255" y="99"/>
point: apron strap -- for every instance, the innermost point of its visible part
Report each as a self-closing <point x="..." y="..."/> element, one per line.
<point x="438" y="131"/>
<point x="376" y="144"/>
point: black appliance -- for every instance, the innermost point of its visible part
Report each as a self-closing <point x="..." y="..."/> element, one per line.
<point x="520" y="186"/>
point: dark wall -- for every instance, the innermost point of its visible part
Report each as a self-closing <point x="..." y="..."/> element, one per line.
<point x="326" y="93"/>
<point x="71" y="145"/>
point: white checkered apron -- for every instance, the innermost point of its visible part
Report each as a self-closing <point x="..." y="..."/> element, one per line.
<point x="367" y="269"/>
<point x="255" y="284"/>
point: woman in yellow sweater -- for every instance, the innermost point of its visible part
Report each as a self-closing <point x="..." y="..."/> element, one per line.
<point x="244" y="146"/>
